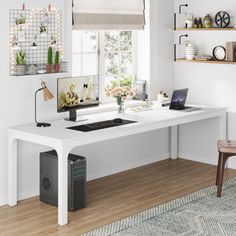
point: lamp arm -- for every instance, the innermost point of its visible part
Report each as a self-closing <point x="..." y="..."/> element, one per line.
<point x="35" y="105"/>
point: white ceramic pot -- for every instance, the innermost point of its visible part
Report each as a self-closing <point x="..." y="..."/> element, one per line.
<point x="189" y="23"/>
<point x="20" y="70"/>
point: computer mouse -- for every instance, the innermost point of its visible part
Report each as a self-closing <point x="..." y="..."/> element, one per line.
<point x="118" y="120"/>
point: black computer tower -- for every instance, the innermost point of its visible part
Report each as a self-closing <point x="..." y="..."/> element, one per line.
<point x="76" y="180"/>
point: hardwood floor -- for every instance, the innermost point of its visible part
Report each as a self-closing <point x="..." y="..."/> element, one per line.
<point x="112" y="198"/>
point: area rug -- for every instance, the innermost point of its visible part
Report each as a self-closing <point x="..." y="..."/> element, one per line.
<point x="200" y="213"/>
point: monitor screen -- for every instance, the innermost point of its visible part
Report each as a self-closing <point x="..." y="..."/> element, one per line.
<point x="77" y="92"/>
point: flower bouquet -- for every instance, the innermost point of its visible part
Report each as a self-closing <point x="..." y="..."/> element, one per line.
<point x="120" y="90"/>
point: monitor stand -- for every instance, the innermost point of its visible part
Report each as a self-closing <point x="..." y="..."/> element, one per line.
<point x="73" y="116"/>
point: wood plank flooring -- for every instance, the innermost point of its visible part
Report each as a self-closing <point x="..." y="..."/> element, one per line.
<point x="112" y="198"/>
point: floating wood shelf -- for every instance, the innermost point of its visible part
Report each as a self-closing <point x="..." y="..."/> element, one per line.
<point x="206" y="61"/>
<point x="206" y="29"/>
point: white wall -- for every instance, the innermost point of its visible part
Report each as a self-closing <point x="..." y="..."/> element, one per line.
<point x="155" y="60"/>
<point x="17" y="96"/>
<point x="17" y="107"/>
<point x="211" y="84"/>
<point x="161" y="36"/>
<point x="143" y="48"/>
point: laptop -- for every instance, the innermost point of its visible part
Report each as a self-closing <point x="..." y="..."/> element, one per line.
<point x="178" y="101"/>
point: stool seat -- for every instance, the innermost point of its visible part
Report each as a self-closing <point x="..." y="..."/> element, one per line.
<point x="226" y="149"/>
<point x="226" y="146"/>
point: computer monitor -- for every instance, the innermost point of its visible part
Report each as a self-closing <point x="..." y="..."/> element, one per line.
<point x="77" y="93"/>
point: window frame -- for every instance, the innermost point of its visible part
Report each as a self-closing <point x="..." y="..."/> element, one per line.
<point x="101" y="62"/>
<point x="83" y="53"/>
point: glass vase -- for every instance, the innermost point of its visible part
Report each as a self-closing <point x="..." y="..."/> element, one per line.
<point x="121" y="105"/>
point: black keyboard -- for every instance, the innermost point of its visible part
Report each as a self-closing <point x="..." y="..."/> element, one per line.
<point x="101" y="125"/>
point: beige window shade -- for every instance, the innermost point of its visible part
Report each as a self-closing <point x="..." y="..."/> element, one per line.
<point x="108" y="14"/>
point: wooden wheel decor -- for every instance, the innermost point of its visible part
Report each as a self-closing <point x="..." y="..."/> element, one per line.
<point x="222" y="19"/>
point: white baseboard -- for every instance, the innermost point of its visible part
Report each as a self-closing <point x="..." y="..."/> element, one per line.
<point x="33" y="192"/>
<point x="129" y="166"/>
<point x="232" y="163"/>
<point x="206" y="160"/>
<point x="192" y="157"/>
<point x="21" y="195"/>
<point x="3" y="200"/>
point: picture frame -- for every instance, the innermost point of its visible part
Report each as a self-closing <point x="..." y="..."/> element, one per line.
<point x="140" y="86"/>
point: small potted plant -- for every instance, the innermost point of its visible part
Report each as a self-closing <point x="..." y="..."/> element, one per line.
<point x="50" y="64"/>
<point x="20" y="63"/>
<point x="20" y="20"/>
<point x="57" y="66"/>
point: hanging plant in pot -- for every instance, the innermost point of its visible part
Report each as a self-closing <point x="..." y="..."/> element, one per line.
<point x="20" y="63"/>
<point x="57" y="66"/>
<point x="50" y="64"/>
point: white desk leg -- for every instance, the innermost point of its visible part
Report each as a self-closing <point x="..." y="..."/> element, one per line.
<point x="223" y="131"/>
<point x="223" y="126"/>
<point x="173" y="142"/>
<point x="12" y="171"/>
<point x="62" y="186"/>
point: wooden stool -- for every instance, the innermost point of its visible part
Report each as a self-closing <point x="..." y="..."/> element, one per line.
<point x="226" y="149"/>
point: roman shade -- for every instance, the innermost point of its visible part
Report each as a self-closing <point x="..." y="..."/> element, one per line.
<point x="108" y="14"/>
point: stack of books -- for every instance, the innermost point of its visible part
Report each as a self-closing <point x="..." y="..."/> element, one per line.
<point x="230" y="51"/>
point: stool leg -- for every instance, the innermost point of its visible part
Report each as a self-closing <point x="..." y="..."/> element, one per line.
<point x="223" y="160"/>
<point x="218" y="170"/>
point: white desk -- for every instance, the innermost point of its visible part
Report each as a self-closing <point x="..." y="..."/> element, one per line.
<point x="64" y="140"/>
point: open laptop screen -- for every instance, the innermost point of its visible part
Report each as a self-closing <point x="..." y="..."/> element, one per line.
<point x="178" y="99"/>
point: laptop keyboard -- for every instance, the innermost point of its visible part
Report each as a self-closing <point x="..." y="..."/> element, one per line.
<point x="189" y="109"/>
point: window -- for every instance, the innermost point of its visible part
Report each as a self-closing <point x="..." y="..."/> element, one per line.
<point x="111" y="54"/>
<point x="84" y="53"/>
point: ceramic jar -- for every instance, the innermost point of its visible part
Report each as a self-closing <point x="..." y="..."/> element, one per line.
<point x="207" y="21"/>
<point x="190" y="51"/>
<point x="188" y="21"/>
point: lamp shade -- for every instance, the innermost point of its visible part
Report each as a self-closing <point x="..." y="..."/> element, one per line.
<point x="47" y="95"/>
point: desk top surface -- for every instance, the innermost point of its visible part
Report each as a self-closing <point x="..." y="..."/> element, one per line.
<point x="156" y="118"/>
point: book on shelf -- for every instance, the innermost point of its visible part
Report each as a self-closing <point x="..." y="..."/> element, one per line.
<point x="230" y="51"/>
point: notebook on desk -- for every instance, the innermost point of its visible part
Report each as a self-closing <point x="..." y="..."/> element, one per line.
<point x="178" y="101"/>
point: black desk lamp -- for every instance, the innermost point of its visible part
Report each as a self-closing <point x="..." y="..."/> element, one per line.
<point x="47" y="95"/>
